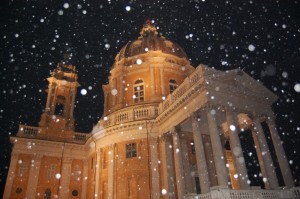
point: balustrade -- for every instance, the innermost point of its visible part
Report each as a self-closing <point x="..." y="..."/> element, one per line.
<point x="130" y="114"/>
<point x="28" y="131"/>
<point x="194" y="78"/>
<point x="249" y="194"/>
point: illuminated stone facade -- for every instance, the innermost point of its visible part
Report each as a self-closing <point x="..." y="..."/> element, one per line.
<point x="168" y="131"/>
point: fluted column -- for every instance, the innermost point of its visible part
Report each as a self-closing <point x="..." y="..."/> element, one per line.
<point x="179" y="173"/>
<point x="217" y="147"/>
<point x="33" y="177"/>
<point x="65" y="178"/>
<point x="236" y="148"/>
<point x="200" y="155"/>
<point x="264" y="156"/>
<point x="281" y="156"/>
<point x="84" y="179"/>
<point x="97" y="176"/>
<point x="167" y="167"/>
<point x="111" y="162"/>
<point x="11" y="175"/>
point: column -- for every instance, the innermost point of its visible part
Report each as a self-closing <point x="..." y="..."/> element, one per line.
<point x="217" y="147"/>
<point x="111" y="163"/>
<point x="33" y="177"/>
<point x="200" y="155"/>
<point x="162" y="81"/>
<point x="179" y="173"/>
<point x="50" y="90"/>
<point x="167" y="167"/>
<point x="282" y="159"/>
<point x="152" y="81"/>
<point x="264" y="156"/>
<point x="53" y="101"/>
<point x="73" y="96"/>
<point x="236" y="148"/>
<point x="155" y="192"/>
<point x="186" y="167"/>
<point x="11" y="174"/>
<point x="66" y="171"/>
<point x="84" y="179"/>
<point x="97" y="176"/>
<point x="105" y="102"/>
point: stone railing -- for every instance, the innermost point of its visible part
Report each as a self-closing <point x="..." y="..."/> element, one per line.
<point x="30" y="131"/>
<point x="292" y="193"/>
<point x="130" y="114"/>
<point x="188" y="83"/>
<point x="40" y="133"/>
<point x="81" y="136"/>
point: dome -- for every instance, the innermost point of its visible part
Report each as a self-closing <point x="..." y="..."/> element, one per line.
<point x="150" y="40"/>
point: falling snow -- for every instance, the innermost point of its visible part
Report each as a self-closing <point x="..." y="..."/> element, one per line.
<point x="261" y="38"/>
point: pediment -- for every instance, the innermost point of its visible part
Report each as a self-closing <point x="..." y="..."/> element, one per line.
<point x="237" y="80"/>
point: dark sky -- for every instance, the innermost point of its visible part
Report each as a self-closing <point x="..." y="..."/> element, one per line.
<point x="260" y="37"/>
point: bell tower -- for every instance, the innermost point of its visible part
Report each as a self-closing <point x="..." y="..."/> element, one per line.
<point x="58" y="116"/>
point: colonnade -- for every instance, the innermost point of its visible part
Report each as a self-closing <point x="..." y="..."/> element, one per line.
<point x="210" y="121"/>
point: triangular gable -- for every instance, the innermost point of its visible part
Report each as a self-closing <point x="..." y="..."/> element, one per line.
<point x="238" y="79"/>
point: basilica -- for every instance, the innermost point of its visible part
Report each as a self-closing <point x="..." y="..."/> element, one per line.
<point x="169" y="130"/>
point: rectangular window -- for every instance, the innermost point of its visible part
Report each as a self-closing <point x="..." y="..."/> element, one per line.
<point x="138" y="91"/>
<point x="51" y="171"/>
<point x="131" y="150"/>
<point x="23" y="168"/>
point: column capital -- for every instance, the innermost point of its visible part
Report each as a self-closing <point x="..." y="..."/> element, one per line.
<point x="175" y="130"/>
<point x="165" y="137"/>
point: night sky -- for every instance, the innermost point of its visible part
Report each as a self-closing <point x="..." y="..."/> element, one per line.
<point x="260" y="37"/>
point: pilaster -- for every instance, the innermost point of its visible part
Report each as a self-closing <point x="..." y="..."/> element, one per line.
<point x="111" y="162"/>
<point x="11" y="175"/>
<point x="84" y="179"/>
<point x="65" y="177"/>
<point x="97" y="173"/>
<point x="33" y="177"/>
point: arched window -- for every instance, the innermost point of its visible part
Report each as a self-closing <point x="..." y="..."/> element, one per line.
<point x="60" y="103"/>
<point x="139" y="91"/>
<point x="47" y="194"/>
<point x="173" y="85"/>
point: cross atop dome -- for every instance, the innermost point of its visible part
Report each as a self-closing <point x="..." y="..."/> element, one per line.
<point x="148" y="28"/>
